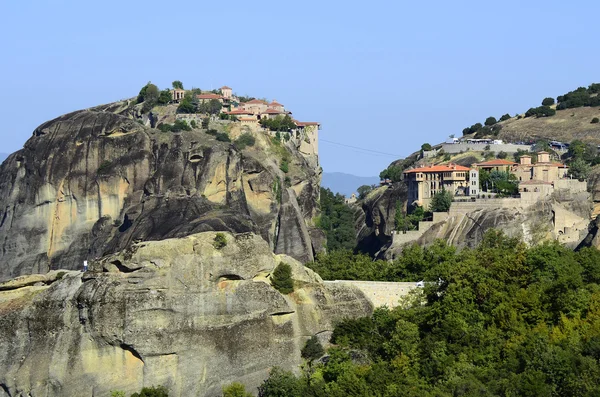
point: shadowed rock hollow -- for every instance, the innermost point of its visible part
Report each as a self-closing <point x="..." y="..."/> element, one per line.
<point x="176" y="312"/>
<point x="93" y="182"/>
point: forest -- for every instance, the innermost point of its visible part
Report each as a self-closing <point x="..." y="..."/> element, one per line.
<point x="500" y="319"/>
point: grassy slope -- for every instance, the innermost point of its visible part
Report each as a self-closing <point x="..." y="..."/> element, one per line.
<point x="566" y="126"/>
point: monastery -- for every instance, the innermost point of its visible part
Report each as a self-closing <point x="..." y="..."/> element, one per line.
<point x="540" y="178"/>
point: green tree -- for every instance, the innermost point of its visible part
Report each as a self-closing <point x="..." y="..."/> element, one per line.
<point x="337" y="221"/>
<point x="490" y="121"/>
<point x="281" y="278"/>
<point x="177" y="84"/>
<point x="312" y="349"/>
<point x="280" y="383"/>
<point x="505" y="117"/>
<point x="244" y="140"/>
<point x="595" y="120"/>
<point x="548" y="102"/>
<point x="502" y="155"/>
<point x="236" y="389"/>
<point x="426" y="147"/>
<point x="154" y="391"/>
<point x="363" y="191"/>
<point x="117" y="393"/>
<point x="188" y="104"/>
<point x="164" y="97"/>
<point x="214" y="106"/>
<point x="393" y="172"/>
<point x="441" y="201"/>
<point x="579" y="169"/>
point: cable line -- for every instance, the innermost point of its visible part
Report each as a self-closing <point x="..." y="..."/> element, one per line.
<point x="360" y="148"/>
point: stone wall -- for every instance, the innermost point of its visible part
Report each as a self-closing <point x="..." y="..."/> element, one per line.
<point x="380" y="293"/>
<point x="464" y="207"/>
<point x="479" y="147"/>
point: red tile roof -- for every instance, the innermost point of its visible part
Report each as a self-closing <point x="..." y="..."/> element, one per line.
<point x="495" y="163"/>
<point x="248" y="119"/>
<point x="239" y="111"/>
<point x="226" y="88"/>
<point x="438" y="168"/>
<point x="209" y="96"/>
<point x="538" y="164"/>
<point x="275" y="103"/>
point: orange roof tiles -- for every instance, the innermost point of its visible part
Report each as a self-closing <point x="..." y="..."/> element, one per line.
<point x="534" y="182"/>
<point x="438" y="168"/>
<point x="257" y="101"/>
<point x="272" y="111"/>
<point x="226" y="88"/>
<point x="496" y="162"/>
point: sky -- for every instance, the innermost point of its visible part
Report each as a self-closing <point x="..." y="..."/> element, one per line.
<point x="384" y="76"/>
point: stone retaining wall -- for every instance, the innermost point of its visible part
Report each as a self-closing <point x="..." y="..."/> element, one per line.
<point x="479" y="147"/>
<point x="381" y="293"/>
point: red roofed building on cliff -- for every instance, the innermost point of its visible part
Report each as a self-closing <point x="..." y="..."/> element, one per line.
<point x="424" y="182"/>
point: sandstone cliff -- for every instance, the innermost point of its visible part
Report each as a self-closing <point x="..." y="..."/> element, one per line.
<point x="93" y="182"/>
<point x="176" y="312"/>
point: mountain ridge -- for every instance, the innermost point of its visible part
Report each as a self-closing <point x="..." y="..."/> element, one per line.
<point x="346" y="184"/>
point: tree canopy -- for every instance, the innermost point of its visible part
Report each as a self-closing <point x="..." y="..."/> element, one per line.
<point x="441" y="201"/>
<point x="337" y="221"/>
<point x="500" y="319"/>
<point x="177" y="84"/>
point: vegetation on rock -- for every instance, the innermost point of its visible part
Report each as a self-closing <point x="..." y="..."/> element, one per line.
<point x="312" y="349"/>
<point x="337" y="221"/>
<point x="236" y="390"/>
<point x="220" y="241"/>
<point x="154" y="391"/>
<point x="279" y="123"/>
<point x="281" y="278"/>
<point x="501" y="319"/>
<point x="244" y="140"/>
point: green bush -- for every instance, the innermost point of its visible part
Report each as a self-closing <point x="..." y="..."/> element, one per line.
<point x="193" y="124"/>
<point x="244" y="140"/>
<point x="426" y="147"/>
<point x="441" y="202"/>
<point x="285" y="167"/>
<point x="205" y="122"/>
<point x="180" y="125"/>
<point x="312" y="349"/>
<point x="222" y="137"/>
<point x="548" y="102"/>
<point x="60" y="275"/>
<point x="104" y="168"/>
<point x="165" y="127"/>
<point x="595" y="120"/>
<point x="541" y="111"/>
<point x="165" y="97"/>
<point x="220" y="241"/>
<point x="117" y="393"/>
<point x="337" y="221"/>
<point x="490" y="121"/>
<point x="505" y="117"/>
<point x="236" y="390"/>
<point x="223" y="116"/>
<point x="281" y="278"/>
<point x="502" y="155"/>
<point x="212" y="132"/>
<point x="154" y="391"/>
<point x="177" y="84"/>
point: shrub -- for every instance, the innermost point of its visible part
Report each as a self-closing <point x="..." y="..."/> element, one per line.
<point x="502" y="155"/>
<point x="193" y="124"/>
<point x="180" y="125"/>
<point x="220" y="241"/>
<point x="205" y="122"/>
<point x="60" y="275"/>
<point x="165" y="97"/>
<point x="284" y="166"/>
<point x="548" y="102"/>
<point x="189" y="104"/>
<point x="426" y="147"/>
<point x="287" y="181"/>
<point x="312" y="349"/>
<point x="281" y="278"/>
<point x="441" y="202"/>
<point x="244" y="140"/>
<point x="236" y="389"/>
<point x="177" y="84"/>
<point x="505" y="117"/>
<point x="541" y="111"/>
<point x="223" y="116"/>
<point x="212" y="132"/>
<point x="393" y="172"/>
<point x="104" y="168"/>
<point x="222" y="137"/>
<point x="117" y="393"/>
<point x="490" y="121"/>
<point x="165" y="127"/>
<point x="595" y="120"/>
<point x="154" y="391"/>
<point x="363" y="191"/>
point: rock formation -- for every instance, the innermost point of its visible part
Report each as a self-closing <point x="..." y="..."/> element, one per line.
<point x="177" y="312"/>
<point x="93" y="182"/>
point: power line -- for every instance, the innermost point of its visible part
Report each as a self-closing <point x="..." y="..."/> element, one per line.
<point x="360" y="148"/>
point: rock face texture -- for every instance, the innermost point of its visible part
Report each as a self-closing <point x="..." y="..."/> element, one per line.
<point x="176" y="312"/>
<point x="93" y="182"/>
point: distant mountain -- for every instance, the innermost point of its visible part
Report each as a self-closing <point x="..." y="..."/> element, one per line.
<point x="3" y="156"/>
<point x="346" y="184"/>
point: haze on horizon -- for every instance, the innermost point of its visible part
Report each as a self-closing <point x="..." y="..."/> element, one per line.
<point x="386" y="76"/>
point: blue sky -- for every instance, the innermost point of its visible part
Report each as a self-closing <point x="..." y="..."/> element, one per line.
<point x="380" y="75"/>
